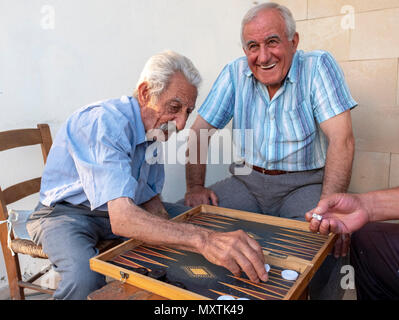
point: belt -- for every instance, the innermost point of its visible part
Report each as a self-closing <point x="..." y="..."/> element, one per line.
<point x="269" y="172"/>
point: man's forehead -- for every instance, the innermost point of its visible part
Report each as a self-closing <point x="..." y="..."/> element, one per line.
<point x="265" y="24"/>
<point x="180" y="91"/>
<point x="183" y="100"/>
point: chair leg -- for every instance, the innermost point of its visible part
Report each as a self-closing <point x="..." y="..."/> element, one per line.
<point x="13" y="274"/>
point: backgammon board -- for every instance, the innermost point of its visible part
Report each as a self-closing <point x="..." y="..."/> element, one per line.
<point x="179" y="274"/>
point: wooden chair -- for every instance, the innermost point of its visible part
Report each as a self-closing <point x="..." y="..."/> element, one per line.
<point x="9" y="140"/>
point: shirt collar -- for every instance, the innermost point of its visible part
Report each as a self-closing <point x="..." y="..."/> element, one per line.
<point x="140" y="130"/>
<point x="292" y="73"/>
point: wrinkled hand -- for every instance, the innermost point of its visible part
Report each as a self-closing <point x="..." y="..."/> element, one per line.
<point x="200" y="195"/>
<point x="236" y="251"/>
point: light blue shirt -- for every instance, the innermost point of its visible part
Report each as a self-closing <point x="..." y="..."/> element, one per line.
<point x="99" y="155"/>
<point x="284" y="132"/>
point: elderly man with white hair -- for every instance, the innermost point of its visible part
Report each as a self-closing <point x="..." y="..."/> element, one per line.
<point x="98" y="185"/>
<point x="291" y="122"/>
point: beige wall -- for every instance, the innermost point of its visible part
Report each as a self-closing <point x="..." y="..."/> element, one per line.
<point x="363" y="36"/>
<point x="56" y="56"/>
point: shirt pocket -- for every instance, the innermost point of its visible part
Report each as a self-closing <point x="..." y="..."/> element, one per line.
<point x="298" y="124"/>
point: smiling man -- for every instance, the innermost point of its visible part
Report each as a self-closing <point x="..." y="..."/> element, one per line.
<point x="269" y="49"/>
<point x="292" y="112"/>
<point x="97" y="185"/>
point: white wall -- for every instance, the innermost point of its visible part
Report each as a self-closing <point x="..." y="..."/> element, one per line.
<point x="56" y="56"/>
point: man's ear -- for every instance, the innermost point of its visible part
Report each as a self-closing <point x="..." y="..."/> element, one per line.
<point x="295" y="41"/>
<point x="143" y="96"/>
<point x="245" y="51"/>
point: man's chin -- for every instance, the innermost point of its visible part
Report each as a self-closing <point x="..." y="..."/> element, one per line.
<point x="162" y="137"/>
<point x="269" y="78"/>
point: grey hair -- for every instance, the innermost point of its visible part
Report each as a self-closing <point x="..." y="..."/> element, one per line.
<point x="289" y="20"/>
<point x="161" y="67"/>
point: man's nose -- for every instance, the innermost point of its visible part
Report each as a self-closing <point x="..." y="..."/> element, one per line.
<point x="264" y="55"/>
<point x="181" y="120"/>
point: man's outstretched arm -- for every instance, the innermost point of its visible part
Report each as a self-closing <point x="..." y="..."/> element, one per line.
<point x="235" y="251"/>
<point x="346" y="213"/>
<point x="339" y="160"/>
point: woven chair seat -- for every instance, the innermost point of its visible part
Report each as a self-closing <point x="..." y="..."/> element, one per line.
<point x="28" y="247"/>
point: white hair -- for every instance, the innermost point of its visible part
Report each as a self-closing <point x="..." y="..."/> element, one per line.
<point x="286" y="14"/>
<point x="161" y="67"/>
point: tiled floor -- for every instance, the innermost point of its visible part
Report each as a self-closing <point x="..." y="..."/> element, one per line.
<point x="34" y="295"/>
<point x="4" y="295"/>
<point x="349" y="295"/>
<point x="39" y="296"/>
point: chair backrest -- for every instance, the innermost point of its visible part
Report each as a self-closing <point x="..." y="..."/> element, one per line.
<point x="20" y="138"/>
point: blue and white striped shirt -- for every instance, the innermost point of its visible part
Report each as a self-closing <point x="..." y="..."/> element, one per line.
<point x="98" y="155"/>
<point x="284" y="133"/>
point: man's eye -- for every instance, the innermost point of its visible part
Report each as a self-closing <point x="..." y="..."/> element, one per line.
<point x="174" y="108"/>
<point x="253" y="46"/>
<point x="272" y="43"/>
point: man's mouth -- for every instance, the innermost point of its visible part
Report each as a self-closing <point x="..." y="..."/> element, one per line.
<point x="268" y="67"/>
<point x="169" y="127"/>
<point x="162" y="133"/>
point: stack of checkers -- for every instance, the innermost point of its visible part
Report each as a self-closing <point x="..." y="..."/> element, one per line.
<point x="317" y="216"/>
<point x="159" y="274"/>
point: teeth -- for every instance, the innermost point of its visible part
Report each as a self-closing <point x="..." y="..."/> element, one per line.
<point x="268" y="67"/>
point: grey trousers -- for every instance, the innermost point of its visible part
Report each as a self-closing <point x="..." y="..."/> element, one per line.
<point x="287" y="196"/>
<point x="68" y="235"/>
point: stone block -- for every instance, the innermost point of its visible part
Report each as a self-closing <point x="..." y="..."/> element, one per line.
<point x="373" y="83"/>
<point x="397" y="79"/>
<point x="327" y="8"/>
<point x="299" y="8"/>
<point x="375" y="35"/>
<point x="376" y="129"/>
<point x="370" y="171"/>
<point x="394" y="171"/>
<point x="324" y="34"/>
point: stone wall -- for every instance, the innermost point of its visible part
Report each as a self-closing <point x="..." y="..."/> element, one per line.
<point x="363" y="36"/>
